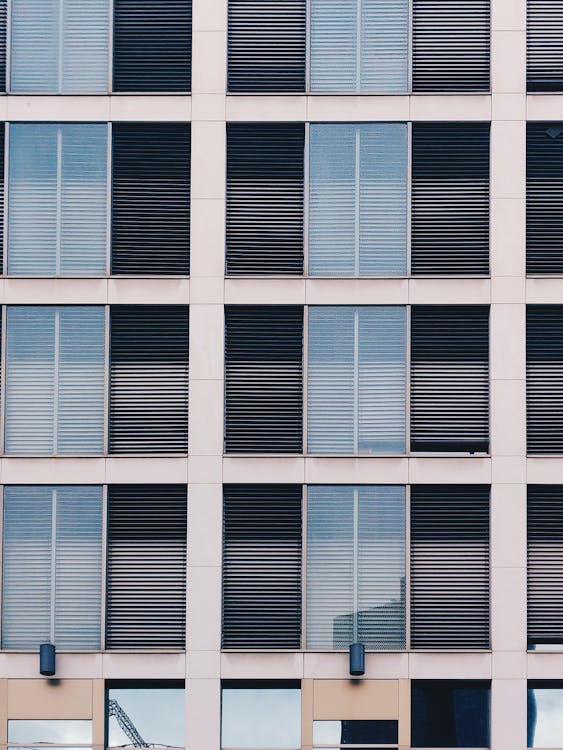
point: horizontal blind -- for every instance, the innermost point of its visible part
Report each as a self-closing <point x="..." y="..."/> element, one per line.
<point x="3" y="46"/>
<point x="544" y="378"/>
<point x="84" y="45"/>
<point x="262" y="566"/>
<point x="152" y="45"/>
<point x="265" y="194"/>
<point x="357" y="199"/>
<point x="451" y="45"/>
<point x="355" y="567"/>
<point x="450" y="378"/>
<point x="57" y="199"/>
<point x="450" y="567"/>
<point x="263" y="378"/>
<point x="450" y="198"/>
<point x="544" y="46"/>
<point x="150" y="199"/>
<point x="266" y="46"/>
<point x="545" y="564"/>
<point x="146" y="567"/>
<point x="148" y="410"/>
<point x="544" y="198"/>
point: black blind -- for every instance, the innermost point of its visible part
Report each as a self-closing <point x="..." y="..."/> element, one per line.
<point x="450" y="198"/>
<point x="450" y="566"/>
<point x="450" y="378"/>
<point x="451" y="45"/>
<point x="544" y="197"/>
<point x="150" y="228"/>
<point x="146" y="566"/>
<point x="266" y="44"/>
<point x="264" y="379"/>
<point x="265" y="168"/>
<point x="148" y="410"/>
<point x="544" y="378"/>
<point x="545" y="564"/>
<point x="152" y="45"/>
<point x="262" y="566"/>
<point x="545" y="46"/>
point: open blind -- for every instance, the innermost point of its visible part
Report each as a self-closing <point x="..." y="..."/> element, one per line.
<point x="52" y="567"/>
<point x="359" y="45"/>
<point x="450" y="566"/>
<point x="263" y="378"/>
<point x="356" y="379"/>
<point x="150" y="199"/>
<point x="146" y="567"/>
<point x="262" y="566"/>
<point x="266" y="45"/>
<point x="265" y="167"/>
<point x="59" y="46"/>
<point x="57" y="199"/>
<point x="152" y="45"/>
<point x="355" y="566"/>
<point x="450" y="198"/>
<point x="450" y="378"/>
<point x="545" y="46"/>
<point x="451" y="45"/>
<point x="148" y="411"/>
<point x="544" y="197"/>
<point x="55" y="380"/>
<point x="357" y="199"/>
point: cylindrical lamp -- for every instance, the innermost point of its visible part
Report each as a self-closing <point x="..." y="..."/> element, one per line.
<point x="357" y="659"/>
<point x="47" y="653"/>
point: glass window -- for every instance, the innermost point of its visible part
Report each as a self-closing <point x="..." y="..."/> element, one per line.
<point x="358" y="199"/>
<point x="142" y="715"/>
<point x="545" y="715"/>
<point x="52" y="731"/>
<point x="356" y="566"/>
<point x="355" y="732"/>
<point x="450" y="714"/>
<point x="260" y="716"/>
<point x="59" y="46"/>
<point x="57" y="199"/>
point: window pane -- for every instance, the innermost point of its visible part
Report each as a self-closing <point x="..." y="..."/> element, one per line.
<point x="156" y="713"/>
<point x="545" y="716"/>
<point x="63" y="732"/>
<point x="261" y="717"/>
<point x="355" y="732"/>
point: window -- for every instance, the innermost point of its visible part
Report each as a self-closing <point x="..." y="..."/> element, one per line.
<point x="356" y="567"/>
<point x="258" y="715"/>
<point x="145" y="714"/>
<point x="58" y="732"/>
<point x="545" y="714"/>
<point x="355" y="732"/>
<point x="52" y="569"/>
<point x="450" y="714"/>
<point x="545" y="46"/>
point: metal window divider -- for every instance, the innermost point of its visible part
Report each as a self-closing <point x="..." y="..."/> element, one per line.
<point x="103" y="590"/>
<point x="408" y="567"/>
<point x="6" y="196"/>
<point x="304" y="567"/>
<point x="109" y="194"/>
<point x="107" y="352"/>
<point x="305" y="366"/>
<point x="8" y="44"/>
<point x="306" y="195"/>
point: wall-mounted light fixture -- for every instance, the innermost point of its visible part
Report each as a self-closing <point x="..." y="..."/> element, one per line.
<point x="357" y="659"/>
<point x="47" y="657"/>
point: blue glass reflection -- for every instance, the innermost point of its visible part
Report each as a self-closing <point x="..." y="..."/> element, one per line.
<point x="156" y="713"/>
<point x="261" y="717"/>
<point x="545" y="716"/>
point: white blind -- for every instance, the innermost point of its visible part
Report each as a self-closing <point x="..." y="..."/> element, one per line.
<point x="59" y="46"/>
<point x="55" y="380"/>
<point x="356" y="383"/>
<point x="52" y="567"/>
<point x="358" y="200"/>
<point x="359" y="45"/>
<point x="57" y="199"/>
<point x="356" y="566"/>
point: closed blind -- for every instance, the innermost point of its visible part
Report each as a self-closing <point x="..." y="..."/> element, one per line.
<point x="262" y="566"/>
<point x="3" y="25"/>
<point x="57" y="199"/>
<point x="148" y="410"/>
<point x="266" y="45"/>
<point x="55" y="380"/>
<point x="52" y="567"/>
<point x="451" y="45"/>
<point x="450" y="378"/>
<point x="359" y="45"/>
<point x="450" y="198"/>
<point x="544" y="378"/>
<point x="152" y="45"/>
<point x="59" y="46"/>
<point x="146" y="567"/>
<point x="263" y="379"/>
<point x="150" y="199"/>
<point x="544" y="198"/>
<point x="355" y="566"/>
<point x="356" y="379"/>
<point x="265" y="194"/>
<point x="545" y="46"/>
<point x="358" y="200"/>
<point x="450" y="567"/>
